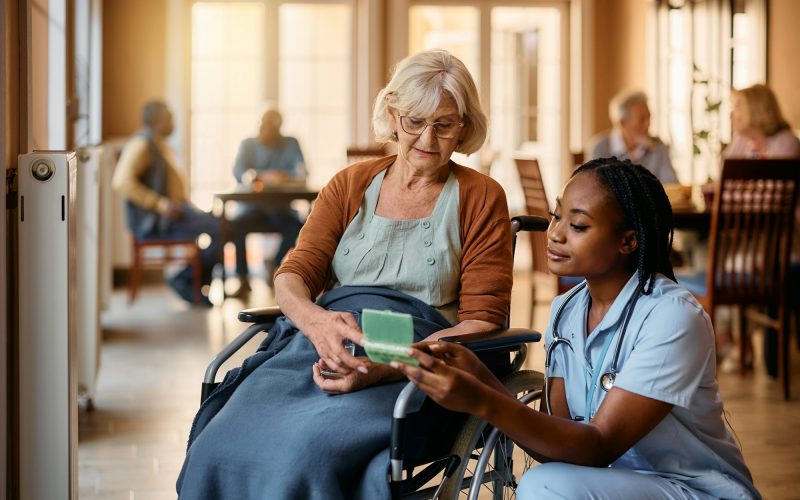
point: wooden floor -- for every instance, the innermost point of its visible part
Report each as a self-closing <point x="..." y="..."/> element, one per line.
<point x="154" y="354"/>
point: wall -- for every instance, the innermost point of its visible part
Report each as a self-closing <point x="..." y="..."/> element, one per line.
<point x="619" y="52"/>
<point x="135" y="64"/>
<point x="783" y="74"/>
<point x="134" y="61"/>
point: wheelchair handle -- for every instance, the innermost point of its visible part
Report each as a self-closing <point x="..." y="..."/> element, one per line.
<point x="529" y="223"/>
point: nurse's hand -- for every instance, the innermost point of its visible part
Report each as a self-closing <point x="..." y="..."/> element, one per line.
<point x="462" y="358"/>
<point x="449" y="385"/>
<point x="455" y="355"/>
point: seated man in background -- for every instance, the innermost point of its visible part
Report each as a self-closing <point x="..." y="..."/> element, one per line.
<point x="630" y="138"/>
<point x="267" y="159"/>
<point x="157" y="201"/>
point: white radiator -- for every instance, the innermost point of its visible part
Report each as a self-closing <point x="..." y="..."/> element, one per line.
<point x="48" y="436"/>
<point x="88" y="270"/>
<point x="114" y="236"/>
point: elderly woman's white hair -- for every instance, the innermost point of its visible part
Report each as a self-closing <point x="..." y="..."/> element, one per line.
<point x="620" y="105"/>
<point x="416" y="88"/>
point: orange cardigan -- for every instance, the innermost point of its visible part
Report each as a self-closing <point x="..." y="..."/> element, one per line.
<point x="486" y="256"/>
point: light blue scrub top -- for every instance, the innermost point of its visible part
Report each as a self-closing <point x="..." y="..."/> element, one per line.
<point x="667" y="354"/>
<point x="419" y="257"/>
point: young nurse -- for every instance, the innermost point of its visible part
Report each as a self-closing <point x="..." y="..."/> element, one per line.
<point x="634" y="409"/>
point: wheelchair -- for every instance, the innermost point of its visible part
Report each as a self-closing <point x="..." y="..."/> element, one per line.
<point x="468" y="457"/>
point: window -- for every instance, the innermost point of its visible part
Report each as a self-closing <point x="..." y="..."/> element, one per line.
<point x="314" y="72"/>
<point x="703" y="49"/>
<point x="240" y="65"/>
<point x="227" y="90"/>
<point x="523" y="95"/>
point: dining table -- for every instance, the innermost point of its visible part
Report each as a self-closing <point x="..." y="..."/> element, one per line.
<point x="269" y="196"/>
<point x="692" y="210"/>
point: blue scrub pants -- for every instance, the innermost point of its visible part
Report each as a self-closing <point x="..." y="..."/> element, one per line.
<point x="575" y="482"/>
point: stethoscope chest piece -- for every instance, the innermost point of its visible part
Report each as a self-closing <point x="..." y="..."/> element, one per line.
<point x="607" y="380"/>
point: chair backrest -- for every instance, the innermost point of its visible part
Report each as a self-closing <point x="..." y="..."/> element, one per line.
<point x="530" y="178"/>
<point x="752" y="222"/>
<point x="577" y="158"/>
<point x="357" y="154"/>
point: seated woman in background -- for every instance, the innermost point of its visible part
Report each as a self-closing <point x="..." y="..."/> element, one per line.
<point x="413" y="233"/>
<point x="759" y="129"/>
<point x="632" y="407"/>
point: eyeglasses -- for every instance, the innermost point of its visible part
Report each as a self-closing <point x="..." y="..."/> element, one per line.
<point x="447" y="129"/>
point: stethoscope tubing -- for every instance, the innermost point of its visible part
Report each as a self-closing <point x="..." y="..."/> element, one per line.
<point x="558" y="339"/>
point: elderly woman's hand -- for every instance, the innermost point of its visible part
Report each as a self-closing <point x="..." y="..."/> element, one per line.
<point x="327" y="330"/>
<point x="354" y="380"/>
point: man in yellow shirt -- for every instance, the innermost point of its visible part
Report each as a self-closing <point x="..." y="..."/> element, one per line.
<point x="157" y="202"/>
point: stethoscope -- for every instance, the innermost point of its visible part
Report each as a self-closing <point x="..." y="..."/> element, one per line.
<point x="606" y="379"/>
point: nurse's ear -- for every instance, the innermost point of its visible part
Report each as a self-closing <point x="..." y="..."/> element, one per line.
<point x="629" y="243"/>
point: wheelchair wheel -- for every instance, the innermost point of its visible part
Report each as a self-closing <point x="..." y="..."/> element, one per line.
<point x="487" y="468"/>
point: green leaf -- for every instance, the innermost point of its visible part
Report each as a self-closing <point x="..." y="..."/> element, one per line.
<point x="695" y="149"/>
<point x="702" y="134"/>
<point x="713" y="106"/>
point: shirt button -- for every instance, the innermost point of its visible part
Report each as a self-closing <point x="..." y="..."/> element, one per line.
<point x="426" y="224"/>
<point x="427" y="243"/>
<point x="431" y="261"/>
<point x="346" y="251"/>
<point x="360" y="236"/>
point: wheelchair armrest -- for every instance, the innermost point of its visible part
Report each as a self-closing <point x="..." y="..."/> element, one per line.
<point x="259" y="314"/>
<point x="262" y="319"/>
<point x="504" y="339"/>
<point x="232" y="347"/>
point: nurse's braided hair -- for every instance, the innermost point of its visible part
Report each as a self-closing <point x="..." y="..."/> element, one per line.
<point x="647" y="211"/>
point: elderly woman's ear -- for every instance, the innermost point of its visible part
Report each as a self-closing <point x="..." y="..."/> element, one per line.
<point x="391" y="115"/>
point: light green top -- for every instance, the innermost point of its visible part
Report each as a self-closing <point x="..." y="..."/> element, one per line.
<point x="419" y="257"/>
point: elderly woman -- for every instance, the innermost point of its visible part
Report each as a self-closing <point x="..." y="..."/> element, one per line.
<point x="414" y="233"/>
<point x="630" y="138"/>
<point x="759" y="129"/>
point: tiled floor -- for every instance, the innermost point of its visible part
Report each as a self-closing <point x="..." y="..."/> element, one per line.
<point x="154" y="355"/>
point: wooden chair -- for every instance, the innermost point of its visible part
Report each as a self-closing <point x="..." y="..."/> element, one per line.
<point x="577" y="158"/>
<point x="530" y="178"/>
<point x="356" y="154"/>
<point x="752" y="221"/>
<point x="168" y="251"/>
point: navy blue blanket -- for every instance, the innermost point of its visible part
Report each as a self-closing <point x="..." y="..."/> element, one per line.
<point x="268" y="431"/>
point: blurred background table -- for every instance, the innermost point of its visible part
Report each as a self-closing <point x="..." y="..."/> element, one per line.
<point x="690" y="209"/>
<point x="274" y="196"/>
<point x="691" y="217"/>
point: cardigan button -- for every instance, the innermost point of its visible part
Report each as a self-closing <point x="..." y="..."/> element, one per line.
<point x="426" y="224"/>
<point x="360" y="236"/>
<point x="427" y="243"/>
<point x="431" y="261"/>
<point x="346" y="251"/>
